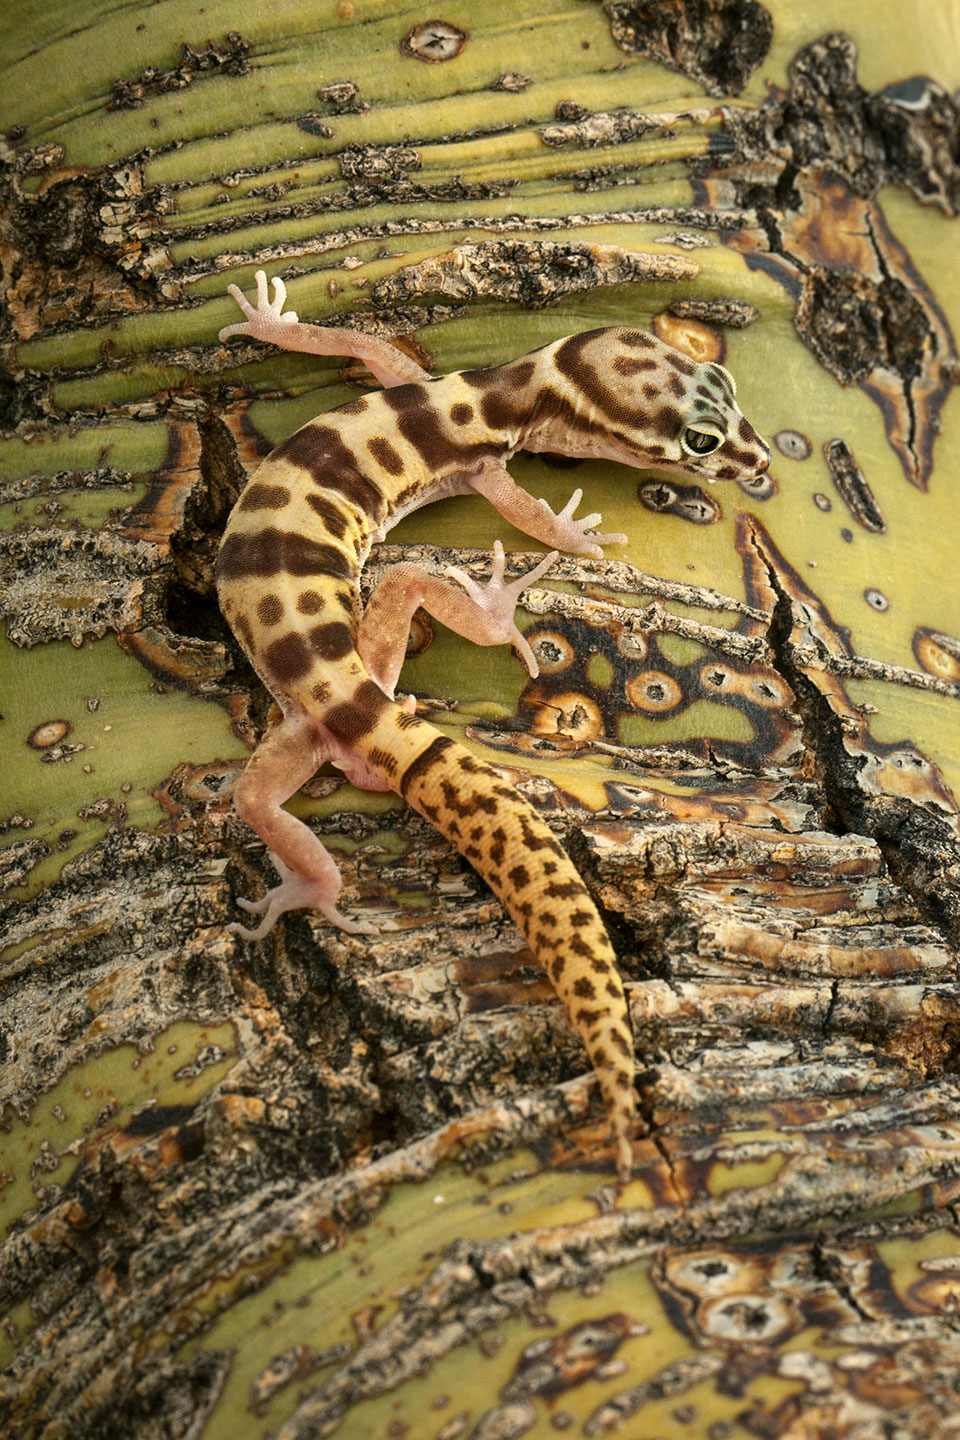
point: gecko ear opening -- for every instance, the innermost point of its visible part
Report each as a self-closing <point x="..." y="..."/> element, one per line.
<point x="700" y="439"/>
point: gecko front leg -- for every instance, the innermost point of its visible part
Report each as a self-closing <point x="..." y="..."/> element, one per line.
<point x="483" y="613"/>
<point x="268" y="321"/>
<point x="534" y="517"/>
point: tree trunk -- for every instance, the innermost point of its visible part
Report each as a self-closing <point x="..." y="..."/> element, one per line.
<point x="318" y="1186"/>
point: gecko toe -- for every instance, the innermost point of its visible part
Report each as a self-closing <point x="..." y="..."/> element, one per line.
<point x="253" y="907"/>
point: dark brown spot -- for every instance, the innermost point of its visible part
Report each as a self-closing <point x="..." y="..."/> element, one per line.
<point x="461" y="413"/>
<point x="636" y="338"/>
<point x="501" y="411"/>
<point x="571" y="361"/>
<point x="310" y="602"/>
<point x="334" y="519"/>
<point x="407" y="493"/>
<point x="331" y="641"/>
<point x="320" y="692"/>
<point x="649" y="389"/>
<point x="289" y="658"/>
<point x="259" y="496"/>
<point x="716" y="375"/>
<point x="270" y="610"/>
<point x="676" y="386"/>
<point x="420" y="424"/>
<point x="622" y="1043"/>
<point x="680" y="362"/>
<point x="580" y="917"/>
<point x="354" y="407"/>
<point x="354" y="718"/>
<point x="345" y="601"/>
<point x="519" y="876"/>
<point x="747" y="459"/>
<point x="383" y="758"/>
<point x="465" y="805"/>
<point x="434" y="754"/>
<point x="564" y="889"/>
<point x="320" y="450"/>
<point x="666" y="421"/>
<point x="385" y="455"/>
<point x="584" y="989"/>
<point x="745" y="430"/>
<point x="630" y="365"/>
<point x="279" y="552"/>
<point x="244" y="629"/>
<point x="533" y="836"/>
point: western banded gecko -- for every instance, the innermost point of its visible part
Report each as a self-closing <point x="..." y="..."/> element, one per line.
<point x="287" y="575"/>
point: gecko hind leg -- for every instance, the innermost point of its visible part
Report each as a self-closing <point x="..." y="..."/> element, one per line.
<point x="289" y="755"/>
<point x="483" y="613"/>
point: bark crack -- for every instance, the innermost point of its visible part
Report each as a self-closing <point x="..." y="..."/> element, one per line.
<point x="921" y="852"/>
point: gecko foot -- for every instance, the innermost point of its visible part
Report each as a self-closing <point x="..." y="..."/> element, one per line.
<point x="262" y="322"/>
<point x="578" y="537"/>
<point x="496" y="602"/>
<point x="295" y="893"/>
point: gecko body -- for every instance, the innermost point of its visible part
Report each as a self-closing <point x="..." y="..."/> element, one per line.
<point x="287" y="577"/>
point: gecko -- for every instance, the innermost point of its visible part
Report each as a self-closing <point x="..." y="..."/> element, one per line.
<point x="287" y="578"/>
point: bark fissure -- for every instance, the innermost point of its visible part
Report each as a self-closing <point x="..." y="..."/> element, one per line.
<point x="907" y="835"/>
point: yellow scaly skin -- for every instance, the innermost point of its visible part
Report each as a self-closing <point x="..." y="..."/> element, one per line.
<point x="287" y="577"/>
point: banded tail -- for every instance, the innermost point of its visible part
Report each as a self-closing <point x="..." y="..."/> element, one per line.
<point x="513" y="849"/>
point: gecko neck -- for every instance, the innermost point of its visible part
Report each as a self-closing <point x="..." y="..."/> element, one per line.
<point x="530" y="406"/>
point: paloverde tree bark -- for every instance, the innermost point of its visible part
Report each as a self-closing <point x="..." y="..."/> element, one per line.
<point x="321" y="1187"/>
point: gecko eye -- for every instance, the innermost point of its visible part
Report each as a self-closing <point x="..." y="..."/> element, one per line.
<point x="700" y="442"/>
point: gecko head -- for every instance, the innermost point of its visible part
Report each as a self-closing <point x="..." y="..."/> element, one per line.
<point x="656" y="407"/>
<point x="716" y="441"/>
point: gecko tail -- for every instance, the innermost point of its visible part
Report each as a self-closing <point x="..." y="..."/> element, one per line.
<point x="513" y="849"/>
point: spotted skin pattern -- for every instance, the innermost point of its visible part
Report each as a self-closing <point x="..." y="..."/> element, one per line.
<point x="287" y="576"/>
